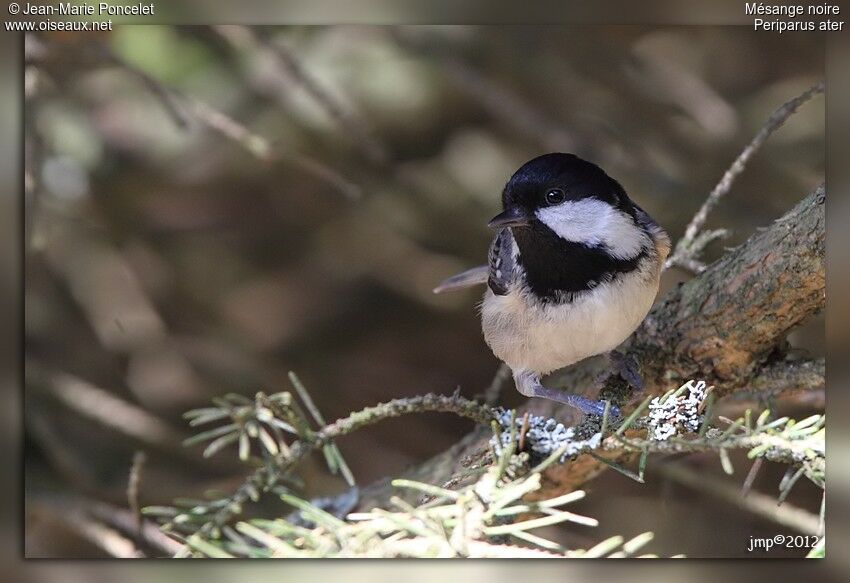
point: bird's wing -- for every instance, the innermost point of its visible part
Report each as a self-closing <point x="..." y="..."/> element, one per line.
<point x="501" y="262"/>
<point x="659" y="235"/>
<point x="498" y="273"/>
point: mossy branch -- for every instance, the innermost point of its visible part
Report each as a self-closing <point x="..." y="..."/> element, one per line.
<point x="520" y="450"/>
<point x="261" y="425"/>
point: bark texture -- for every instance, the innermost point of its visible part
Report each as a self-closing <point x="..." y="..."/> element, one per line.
<point x="723" y="325"/>
<point x="726" y="326"/>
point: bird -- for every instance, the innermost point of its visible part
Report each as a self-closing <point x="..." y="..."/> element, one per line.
<point x="573" y="269"/>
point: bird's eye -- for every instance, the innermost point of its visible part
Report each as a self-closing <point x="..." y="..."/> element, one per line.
<point x="555" y="196"/>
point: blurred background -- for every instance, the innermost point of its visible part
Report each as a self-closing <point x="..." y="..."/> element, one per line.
<point x="209" y="208"/>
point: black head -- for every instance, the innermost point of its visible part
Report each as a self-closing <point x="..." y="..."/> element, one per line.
<point x="553" y="179"/>
<point x="573" y="224"/>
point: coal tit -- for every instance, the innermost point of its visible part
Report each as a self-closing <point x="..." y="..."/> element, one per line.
<point x="573" y="270"/>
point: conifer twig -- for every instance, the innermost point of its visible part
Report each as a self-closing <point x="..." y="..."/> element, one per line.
<point x="268" y="475"/>
<point x="688" y="248"/>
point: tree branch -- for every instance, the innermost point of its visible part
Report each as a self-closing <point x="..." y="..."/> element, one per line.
<point x="784" y="379"/>
<point x="688" y="248"/>
<point x="720" y="326"/>
<point x="281" y="407"/>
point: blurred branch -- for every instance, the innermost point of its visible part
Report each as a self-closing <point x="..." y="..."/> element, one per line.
<point x="108" y="526"/>
<point x="751" y="477"/>
<point x="180" y="107"/>
<point x="261" y="148"/>
<point x="33" y="142"/>
<point x="65" y="459"/>
<point x="289" y="66"/>
<point x="289" y="73"/>
<point x="166" y="96"/>
<point x="32" y="184"/>
<point x="756" y="503"/>
<point x="494" y="389"/>
<point x="690" y="246"/>
<point x="133" y="484"/>
<point x="108" y="539"/>
<point x="495" y="98"/>
<point x="104" y="407"/>
<point x="668" y="78"/>
<point x="149" y="533"/>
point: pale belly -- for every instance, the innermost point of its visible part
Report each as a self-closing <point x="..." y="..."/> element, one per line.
<point x="542" y="338"/>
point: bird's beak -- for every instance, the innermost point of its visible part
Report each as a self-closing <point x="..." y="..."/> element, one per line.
<point x="512" y="217"/>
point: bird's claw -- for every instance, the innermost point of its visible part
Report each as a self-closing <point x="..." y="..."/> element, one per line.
<point x="529" y="385"/>
<point x="627" y="367"/>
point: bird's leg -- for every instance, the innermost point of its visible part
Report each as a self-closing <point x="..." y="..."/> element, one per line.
<point x="529" y="385"/>
<point x="627" y="367"/>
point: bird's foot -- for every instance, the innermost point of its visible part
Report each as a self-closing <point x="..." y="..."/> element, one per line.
<point x="627" y="367"/>
<point x="529" y="385"/>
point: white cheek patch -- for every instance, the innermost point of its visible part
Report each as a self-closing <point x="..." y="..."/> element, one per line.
<point x="592" y="222"/>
